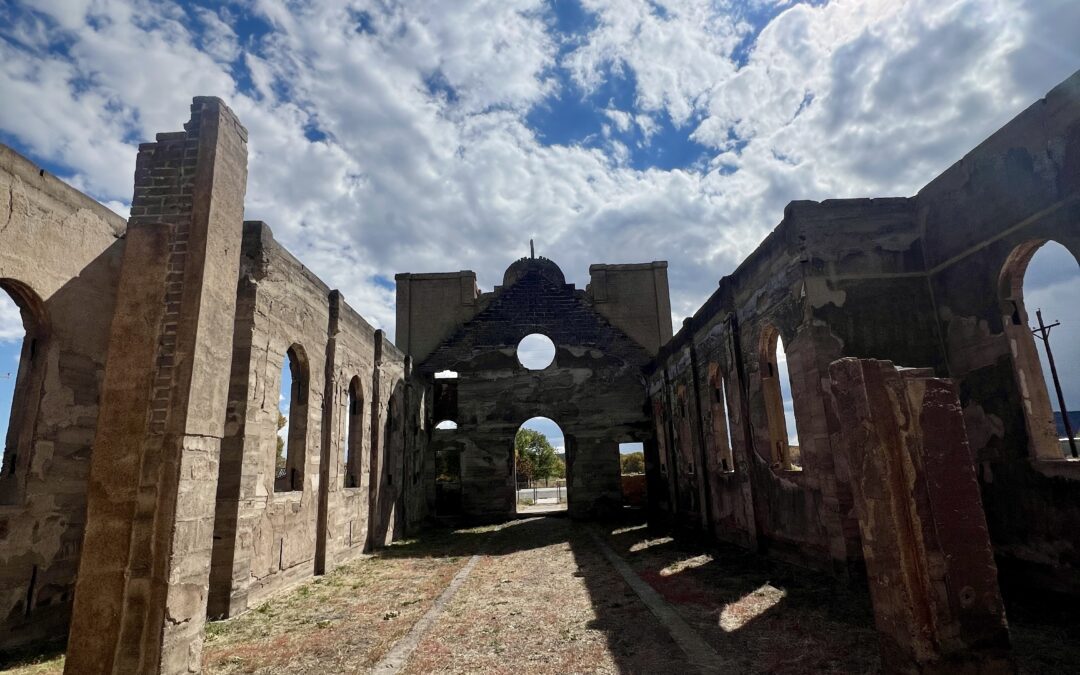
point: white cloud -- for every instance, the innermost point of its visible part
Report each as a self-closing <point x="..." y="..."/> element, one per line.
<point x="426" y="161"/>
<point x="11" y="325"/>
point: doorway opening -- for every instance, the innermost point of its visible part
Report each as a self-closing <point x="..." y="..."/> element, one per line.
<point x="540" y="467"/>
<point x="22" y="372"/>
<point x="632" y="465"/>
<point x="1039" y="284"/>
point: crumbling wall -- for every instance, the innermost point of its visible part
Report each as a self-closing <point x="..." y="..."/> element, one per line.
<point x="286" y="307"/>
<point x="352" y="353"/>
<point x="177" y="326"/>
<point x="593" y="390"/>
<point x="430" y="307"/>
<point x="983" y="219"/>
<point x="60" y="255"/>
<point x="267" y="539"/>
<point x="930" y="564"/>
<point x="929" y="281"/>
<point x="141" y="589"/>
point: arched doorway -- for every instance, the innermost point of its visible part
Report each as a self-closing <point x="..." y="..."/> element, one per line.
<point x="23" y="333"/>
<point x="779" y="402"/>
<point x="1040" y="282"/>
<point x="540" y="467"/>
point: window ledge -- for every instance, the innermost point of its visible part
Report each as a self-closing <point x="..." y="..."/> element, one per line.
<point x="1067" y="468"/>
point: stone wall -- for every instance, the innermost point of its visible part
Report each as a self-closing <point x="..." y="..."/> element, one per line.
<point x="146" y="411"/>
<point x="984" y="218"/>
<point x="140" y="595"/>
<point x="592" y="390"/>
<point x="60" y="255"/>
<point x="929" y="561"/>
<point x="930" y="281"/>
<point x="272" y="532"/>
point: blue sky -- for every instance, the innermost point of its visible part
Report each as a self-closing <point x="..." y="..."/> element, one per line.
<point x="405" y="136"/>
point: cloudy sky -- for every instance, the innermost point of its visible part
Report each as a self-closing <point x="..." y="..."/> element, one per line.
<point x="390" y="136"/>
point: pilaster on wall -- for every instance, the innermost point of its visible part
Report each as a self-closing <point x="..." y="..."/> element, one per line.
<point x="140" y="599"/>
<point x="930" y="564"/>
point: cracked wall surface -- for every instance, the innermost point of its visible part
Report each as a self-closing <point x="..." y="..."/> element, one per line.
<point x="265" y="538"/>
<point x="593" y="389"/>
<point x="930" y="281"/>
<point x="152" y="374"/>
<point x="143" y="440"/>
<point x="60" y="255"/>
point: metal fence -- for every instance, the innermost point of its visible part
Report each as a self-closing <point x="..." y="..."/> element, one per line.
<point x="545" y="493"/>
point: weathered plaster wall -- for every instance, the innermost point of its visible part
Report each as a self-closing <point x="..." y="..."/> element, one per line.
<point x="285" y="307"/>
<point x="635" y="299"/>
<point x="60" y="254"/>
<point x="141" y="589"/>
<point x="593" y="390"/>
<point x="926" y="281"/>
<point x="430" y="307"/>
<point x="266" y="540"/>
<point x="983" y="219"/>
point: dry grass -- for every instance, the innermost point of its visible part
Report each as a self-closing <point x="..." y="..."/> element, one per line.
<point x="544" y="599"/>
<point x="340" y="623"/>
<point x="44" y="662"/>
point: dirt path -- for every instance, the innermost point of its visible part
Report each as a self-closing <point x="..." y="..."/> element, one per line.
<point x="545" y="594"/>
<point x="544" y="599"/>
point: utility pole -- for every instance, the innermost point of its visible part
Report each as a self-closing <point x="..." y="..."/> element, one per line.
<point x="1043" y="333"/>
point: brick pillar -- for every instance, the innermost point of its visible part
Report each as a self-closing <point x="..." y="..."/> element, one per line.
<point x="140" y="598"/>
<point x="930" y="564"/>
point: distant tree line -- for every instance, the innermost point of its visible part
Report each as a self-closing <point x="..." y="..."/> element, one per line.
<point x="633" y="462"/>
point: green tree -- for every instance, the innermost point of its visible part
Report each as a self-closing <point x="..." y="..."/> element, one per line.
<point x="536" y="459"/>
<point x="633" y="462"/>
<point x="560" y="468"/>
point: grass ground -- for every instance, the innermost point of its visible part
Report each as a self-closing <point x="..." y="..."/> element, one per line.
<point x="542" y="599"/>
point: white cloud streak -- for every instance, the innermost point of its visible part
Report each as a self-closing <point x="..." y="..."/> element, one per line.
<point x="425" y="160"/>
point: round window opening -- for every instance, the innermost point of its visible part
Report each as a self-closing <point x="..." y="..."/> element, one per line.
<point x="536" y="351"/>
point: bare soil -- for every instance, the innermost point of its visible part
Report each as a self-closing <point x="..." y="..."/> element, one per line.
<point x="543" y="599"/>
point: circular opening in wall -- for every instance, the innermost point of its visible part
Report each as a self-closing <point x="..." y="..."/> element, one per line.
<point x="536" y="351"/>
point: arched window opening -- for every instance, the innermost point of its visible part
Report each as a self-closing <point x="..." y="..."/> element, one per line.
<point x="354" y="432"/>
<point x="1044" y="275"/>
<point x="540" y="466"/>
<point x="389" y="445"/>
<point x="721" y="420"/>
<point x="683" y="436"/>
<point x="661" y="426"/>
<point x="22" y="338"/>
<point x="292" y="422"/>
<point x="536" y="351"/>
<point x="779" y="403"/>
<point x="446" y="425"/>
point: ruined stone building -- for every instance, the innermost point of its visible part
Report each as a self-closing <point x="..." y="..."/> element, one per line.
<point x="143" y="488"/>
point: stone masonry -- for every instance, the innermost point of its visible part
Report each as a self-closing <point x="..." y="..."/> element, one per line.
<point x="142" y="488"/>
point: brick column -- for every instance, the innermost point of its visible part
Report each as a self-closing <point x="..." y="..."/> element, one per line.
<point x="140" y="598"/>
<point x="930" y="564"/>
